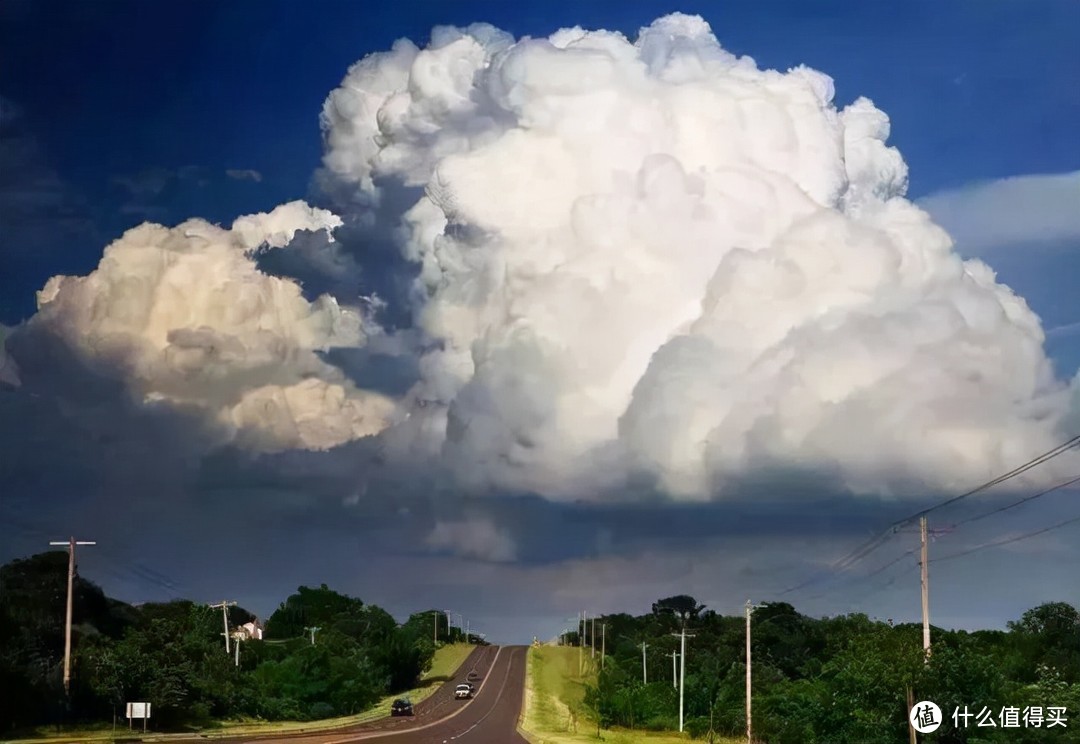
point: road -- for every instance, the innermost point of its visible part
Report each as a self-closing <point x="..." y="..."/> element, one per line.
<point x="490" y="717"/>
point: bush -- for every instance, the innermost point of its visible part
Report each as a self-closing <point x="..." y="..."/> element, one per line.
<point x="321" y="710"/>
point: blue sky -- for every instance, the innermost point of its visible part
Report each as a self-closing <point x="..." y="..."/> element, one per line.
<point x="117" y="112"/>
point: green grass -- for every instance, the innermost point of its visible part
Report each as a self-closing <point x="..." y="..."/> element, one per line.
<point x="554" y="696"/>
<point x="446" y="662"/>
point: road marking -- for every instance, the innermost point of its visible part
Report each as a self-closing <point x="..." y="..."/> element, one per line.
<point x="380" y="734"/>
<point x="498" y="697"/>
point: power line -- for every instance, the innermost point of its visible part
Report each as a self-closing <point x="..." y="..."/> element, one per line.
<point x="1041" y="459"/>
<point x="875" y="542"/>
<point x="1015" y="504"/>
<point x="124" y="569"/>
<point x="954" y="525"/>
<point x="877" y="571"/>
<point x="1008" y="541"/>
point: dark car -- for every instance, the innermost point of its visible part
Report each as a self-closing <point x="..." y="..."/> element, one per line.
<point x="473" y="676"/>
<point x="401" y="707"/>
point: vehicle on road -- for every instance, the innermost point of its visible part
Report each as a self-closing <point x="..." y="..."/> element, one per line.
<point x="463" y="691"/>
<point x="401" y="707"/>
<point x="473" y="676"/>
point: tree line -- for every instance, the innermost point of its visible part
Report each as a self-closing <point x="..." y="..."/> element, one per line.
<point x="838" y="680"/>
<point x="172" y="655"/>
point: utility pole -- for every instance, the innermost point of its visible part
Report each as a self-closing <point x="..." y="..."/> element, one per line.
<point x="749" y="686"/>
<point x="682" y="672"/>
<point x="925" y="535"/>
<point x="225" y="605"/>
<point x="925" y="591"/>
<point x="71" y="543"/>
<point x="580" y="644"/>
<point x="603" y="643"/>
<point x="238" y="636"/>
<point x="674" y="669"/>
<point x="912" y="738"/>
<point x="312" y="631"/>
<point x="449" y="635"/>
<point x="468" y="635"/>
<point x="644" y="664"/>
<point x="592" y="637"/>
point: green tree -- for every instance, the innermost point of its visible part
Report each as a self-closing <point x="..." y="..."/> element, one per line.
<point x="682" y="606"/>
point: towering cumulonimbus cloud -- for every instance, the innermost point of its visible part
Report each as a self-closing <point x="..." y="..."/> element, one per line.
<point x="183" y="316"/>
<point x="654" y="257"/>
<point x="643" y="262"/>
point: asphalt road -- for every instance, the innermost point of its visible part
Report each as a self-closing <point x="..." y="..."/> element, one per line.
<point x="490" y="717"/>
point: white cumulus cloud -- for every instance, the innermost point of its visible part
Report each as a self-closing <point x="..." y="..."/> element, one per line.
<point x="636" y="262"/>
<point x="475" y="537"/>
<point x="184" y="316"/>
<point x="651" y="256"/>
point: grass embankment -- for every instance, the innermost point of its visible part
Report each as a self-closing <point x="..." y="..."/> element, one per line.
<point x="554" y="711"/>
<point x="446" y="662"/>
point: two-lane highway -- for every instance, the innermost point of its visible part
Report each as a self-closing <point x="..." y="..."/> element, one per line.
<point x="490" y="717"/>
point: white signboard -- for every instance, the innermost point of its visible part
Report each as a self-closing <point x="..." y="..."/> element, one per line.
<point x="138" y="710"/>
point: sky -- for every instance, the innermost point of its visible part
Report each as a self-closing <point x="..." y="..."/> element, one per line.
<point x="520" y="328"/>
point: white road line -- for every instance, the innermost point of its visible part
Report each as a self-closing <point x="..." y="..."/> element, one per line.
<point x="498" y="697"/>
<point x="380" y="734"/>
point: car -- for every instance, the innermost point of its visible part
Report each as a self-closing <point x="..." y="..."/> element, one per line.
<point x="463" y="691"/>
<point x="401" y="707"/>
<point x="473" y="676"/>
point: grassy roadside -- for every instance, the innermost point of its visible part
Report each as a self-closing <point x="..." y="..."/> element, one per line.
<point x="553" y="706"/>
<point x="446" y="662"/>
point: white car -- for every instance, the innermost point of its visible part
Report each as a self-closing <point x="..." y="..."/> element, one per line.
<point x="462" y="692"/>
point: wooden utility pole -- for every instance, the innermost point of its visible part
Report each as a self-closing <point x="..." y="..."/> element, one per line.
<point x="603" y="643"/>
<point x="71" y="543"/>
<point x="911" y="704"/>
<point x="750" y="607"/>
<point x="749" y="677"/>
<point x="581" y="645"/>
<point x="925" y="590"/>
<point x="225" y="605"/>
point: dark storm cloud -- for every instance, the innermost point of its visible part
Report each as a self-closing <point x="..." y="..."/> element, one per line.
<point x="180" y="516"/>
<point x="318" y="262"/>
<point x="372" y="236"/>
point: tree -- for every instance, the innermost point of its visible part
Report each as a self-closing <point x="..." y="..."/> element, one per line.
<point x="32" y="609"/>
<point x="1049" y="635"/>
<point x="321" y="607"/>
<point x="682" y="606"/>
